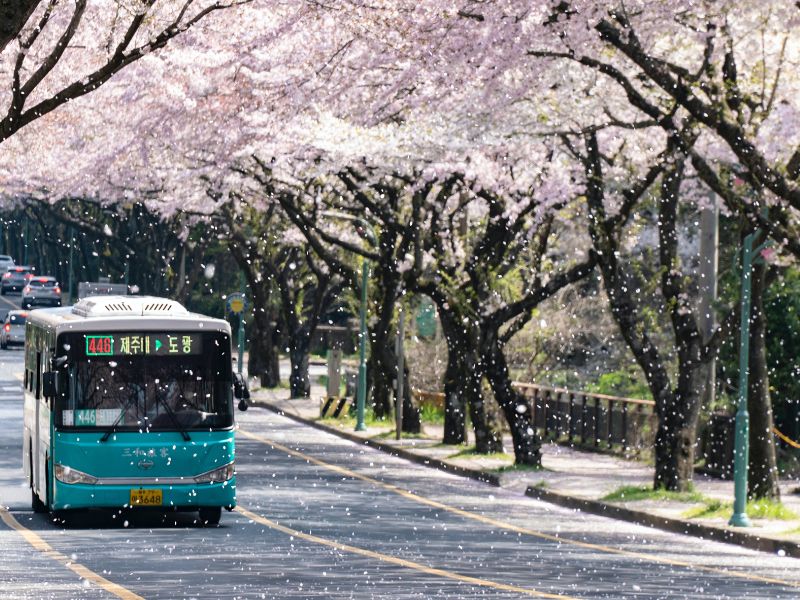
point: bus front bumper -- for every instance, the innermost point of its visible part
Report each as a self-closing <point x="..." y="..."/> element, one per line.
<point x="172" y="496"/>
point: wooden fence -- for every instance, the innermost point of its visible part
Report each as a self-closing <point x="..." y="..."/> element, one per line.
<point x="591" y="420"/>
<point x="582" y="418"/>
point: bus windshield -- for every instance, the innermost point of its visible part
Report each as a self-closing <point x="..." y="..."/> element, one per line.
<point x="150" y="391"/>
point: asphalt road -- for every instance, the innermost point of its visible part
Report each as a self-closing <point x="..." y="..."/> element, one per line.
<point x="320" y="517"/>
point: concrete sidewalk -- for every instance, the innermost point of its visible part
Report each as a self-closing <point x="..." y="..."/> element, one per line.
<point x="569" y="477"/>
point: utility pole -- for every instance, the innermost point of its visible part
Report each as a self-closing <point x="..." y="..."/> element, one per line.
<point x="71" y="276"/>
<point x="709" y="259"/>
<point x="400" y="352"/>
<point x="361" y="398"/>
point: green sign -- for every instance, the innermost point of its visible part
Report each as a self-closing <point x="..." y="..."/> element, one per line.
<point x="426" y="319"/>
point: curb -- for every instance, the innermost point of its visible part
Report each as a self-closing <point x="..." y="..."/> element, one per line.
<point x="704" y="532"/>
<point x="426" y="461"/>
<point x="595" y="507"/>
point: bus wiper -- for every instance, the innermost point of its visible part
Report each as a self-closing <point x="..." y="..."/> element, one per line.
<point x="108" y="433"/>
<point x="173" y="417"/>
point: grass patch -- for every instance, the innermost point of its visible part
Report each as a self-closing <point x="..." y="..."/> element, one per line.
<point x="349" y="420"/>
<point x="431" y="414"/>
<point x="520" y="469"/>
<point x="632" y="493"/>
<point x="404" y="435"/>
<point x="756" y="509"/>
<point x="469" y="451"/>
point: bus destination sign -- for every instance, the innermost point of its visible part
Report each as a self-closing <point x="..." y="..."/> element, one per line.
<point x="143" y="344"/>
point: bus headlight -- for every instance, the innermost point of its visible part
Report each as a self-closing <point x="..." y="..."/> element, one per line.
<point x="67" y="474"/>
<point x="216" y="475"/>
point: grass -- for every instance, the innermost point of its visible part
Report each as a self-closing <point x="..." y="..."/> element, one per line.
<point x="521" y="469"/>
<point x="470" y="451"/>
<point x="404" y="435"/>
<point x="632" y="493"/>
<point x="431" y="414"/>
<point x="756" y="509"/>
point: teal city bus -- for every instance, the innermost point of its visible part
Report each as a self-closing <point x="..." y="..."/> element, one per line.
<point x="129" y="404"/>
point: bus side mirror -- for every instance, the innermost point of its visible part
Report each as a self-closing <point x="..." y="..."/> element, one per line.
<point x="49" y="386"/>
<point x="240" y="391"/>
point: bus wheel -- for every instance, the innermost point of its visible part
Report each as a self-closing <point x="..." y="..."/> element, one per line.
<point x="210" y="515"/>
<point x="37" y="505"/>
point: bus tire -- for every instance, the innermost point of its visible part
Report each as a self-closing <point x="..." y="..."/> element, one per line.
<point x="36" y="503"/>
<point x="210" y="515"/>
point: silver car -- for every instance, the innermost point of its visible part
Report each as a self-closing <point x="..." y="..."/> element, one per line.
<point x="13" y="330"/>
<point x="41" y="291"/>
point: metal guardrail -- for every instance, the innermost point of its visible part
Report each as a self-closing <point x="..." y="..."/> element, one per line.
<point x="582" y="418"/>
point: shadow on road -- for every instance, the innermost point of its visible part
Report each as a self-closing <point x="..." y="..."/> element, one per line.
<point x="111" y="519"/>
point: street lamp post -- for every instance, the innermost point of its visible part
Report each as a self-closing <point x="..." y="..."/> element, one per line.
<point x="742" y="443"/>
<point x="742" y="447"/>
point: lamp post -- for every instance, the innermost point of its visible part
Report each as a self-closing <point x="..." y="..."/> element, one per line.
<point x="742" y="443"/>
<point x="361" y="394"/>
<point x="742" y="446"/>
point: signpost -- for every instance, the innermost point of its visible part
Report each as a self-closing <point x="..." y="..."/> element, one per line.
<point x="237" y="304"/>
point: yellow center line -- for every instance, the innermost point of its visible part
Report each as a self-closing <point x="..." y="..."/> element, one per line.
<point x="395" y="560"/>
<point x="39" y="544"/>
<point x="510" y="527"/>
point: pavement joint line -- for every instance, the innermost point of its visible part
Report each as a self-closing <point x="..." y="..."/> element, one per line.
<point x="47" y="550"/>
<point x="516" y="529"/>
<point x="396" y="560"/>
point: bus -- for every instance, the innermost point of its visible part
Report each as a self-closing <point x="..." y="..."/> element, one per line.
<point x="129" y="404"/>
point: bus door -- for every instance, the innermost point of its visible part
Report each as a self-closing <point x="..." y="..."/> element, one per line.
<point x="36" y="386"/>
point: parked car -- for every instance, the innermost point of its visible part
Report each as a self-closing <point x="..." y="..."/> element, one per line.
<point x="41" y="291"/>
<point x="15" y="278"/>
<point x="5" y="262"/>
<point x="12" y="331"/>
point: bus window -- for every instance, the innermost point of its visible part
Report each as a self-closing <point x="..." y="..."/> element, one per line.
<point x="38" y="375"/>
<point x="145" y="392"/>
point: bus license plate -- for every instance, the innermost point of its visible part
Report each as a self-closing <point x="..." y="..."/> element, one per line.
<point x="146" y="498"/>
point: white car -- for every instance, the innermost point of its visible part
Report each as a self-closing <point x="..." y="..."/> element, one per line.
<point x="12" y="332"/>
<point x="5" y="262"/>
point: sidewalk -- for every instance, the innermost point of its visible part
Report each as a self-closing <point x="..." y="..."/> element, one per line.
<point x="569" y="477"/>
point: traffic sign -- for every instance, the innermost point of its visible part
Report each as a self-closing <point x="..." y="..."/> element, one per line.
<point x="237" y="303"/>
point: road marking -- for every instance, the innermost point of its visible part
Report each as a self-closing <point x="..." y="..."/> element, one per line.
<point x="11" y="388"/>
<point x="508" y="526"/>
<point x="9" y="303"/>
<point x="396" y="561"/>
<point x="39" y="544"/>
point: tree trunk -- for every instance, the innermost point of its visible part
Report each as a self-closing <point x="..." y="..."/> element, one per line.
<point x="762" y="477"/>
<point x="456" y="393"/>
<point x="675" y="446"/>
<point x="455" y="404"/>
<point x="411" y="418"/>
<point x="515" y="407"/>
<point x="299" y="382"/>
<point x="488" y="436"/>
<point x="263" y="357"/>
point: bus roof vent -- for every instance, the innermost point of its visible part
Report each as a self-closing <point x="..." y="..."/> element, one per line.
<point x="127" y="306"/>
<point x="152" y="307"/>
